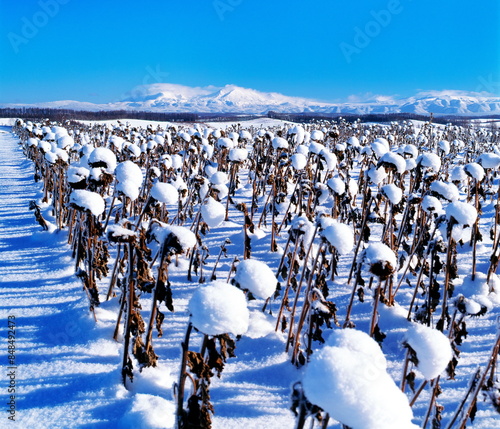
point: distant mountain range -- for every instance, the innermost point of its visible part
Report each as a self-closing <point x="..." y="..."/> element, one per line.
<point x="165" y="97"/>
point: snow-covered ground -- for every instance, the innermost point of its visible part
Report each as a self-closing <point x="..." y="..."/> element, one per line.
<point x="69" y="373"/>
<point x="8" y="122"/>
<point x="258" y="123"/>
<point x="68" y="367"/>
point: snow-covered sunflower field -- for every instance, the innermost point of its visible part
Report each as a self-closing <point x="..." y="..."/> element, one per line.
<point x="258" y="275"/>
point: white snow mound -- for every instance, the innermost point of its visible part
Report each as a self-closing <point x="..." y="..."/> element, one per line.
<point x="164" y="193"/>
<point x="87" y="200"/>
<point x="213" y="213"/>
<point x="299" y="161"/>
<point x="379" y="252"/>
<point x="149" y="411"/>
<point x="348" y="379"/>
<point x="103" y="157"/>
<point x="393" y="193"/>
<point x="463" y="213"/>
<point x="432" y="347"/>
<point x="219" y="308"/>
<point x="340" y="236"/>
<point x="257" y="277"/>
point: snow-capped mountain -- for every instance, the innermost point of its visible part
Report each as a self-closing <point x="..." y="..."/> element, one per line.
<point x="166" y="97"/>
<point x="452" y="104"/>
<point x="230" y="98"/>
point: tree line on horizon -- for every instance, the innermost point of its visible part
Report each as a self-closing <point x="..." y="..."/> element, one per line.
<point x="62" y="115"/>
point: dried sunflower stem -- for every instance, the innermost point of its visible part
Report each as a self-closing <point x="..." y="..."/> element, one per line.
<point x="497" y="219"/>
<point x="264" y="209"/>
<point x="405" y="370"/>
<point x="472" y="384"/>
<point x="222" y="250"/>
<point x="375" y="307"/>
<point x="282" y="260"/>
<point x="123" y="301"/>
<point x="289" y="205"/>
<point x="435" y="384"/>
<point x="302" y="415"/>
<point x="112" y="205"/>
<point x="402" y="226"/>
<point x="475" y="231"/>
<point x="231" y="269"/>
<point x="129" y="304"/>
<point x="358" y="244"/>
<point x="347" y="321"/>
<point x="418" y="392"/>
<point x="191" y="262"/>
<point x="334" y="263"/>
<point x="410" y="256"/>
<point x="420" y="273"/>
<point x="288" y="284"/>
<point x="305" y="309"/>
<point x="71" y="223"/>
<point x="232" y="186"/>
<point x="164" y="260"/>
<point x="494" y="352"/>
<point x="182" y="377"/>
<point x="114" y="273"/>
<point x="274" y="247"/>
<point x="447" y="274"/>
<point x="494" y="259"/>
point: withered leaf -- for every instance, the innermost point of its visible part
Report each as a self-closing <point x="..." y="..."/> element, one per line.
<point x="473" y="411"/>
<point x="215" y="359"/>
<point x="450" y="369"/>
<point x="197" y="365"/>
<point x="378" y="335"/>
<point x="164" y="294"/>
<point x="159" y="320"/>
<point x="283" y="324"/>
<point x="227" y="346"/>
<point x="410" y="379"/>
<point x="127" y="370"/>
<point x="361" y="294"/>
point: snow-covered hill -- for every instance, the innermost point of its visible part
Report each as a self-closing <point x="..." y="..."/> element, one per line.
<point x="166" y="97"/>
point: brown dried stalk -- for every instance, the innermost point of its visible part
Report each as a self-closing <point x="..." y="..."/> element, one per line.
<point x="492" y="358"/>
<point x="129" y="305"/>
<point x="288" y="285"/>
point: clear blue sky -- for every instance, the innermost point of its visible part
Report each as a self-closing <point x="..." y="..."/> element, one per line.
<point x="97" y="51"/>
